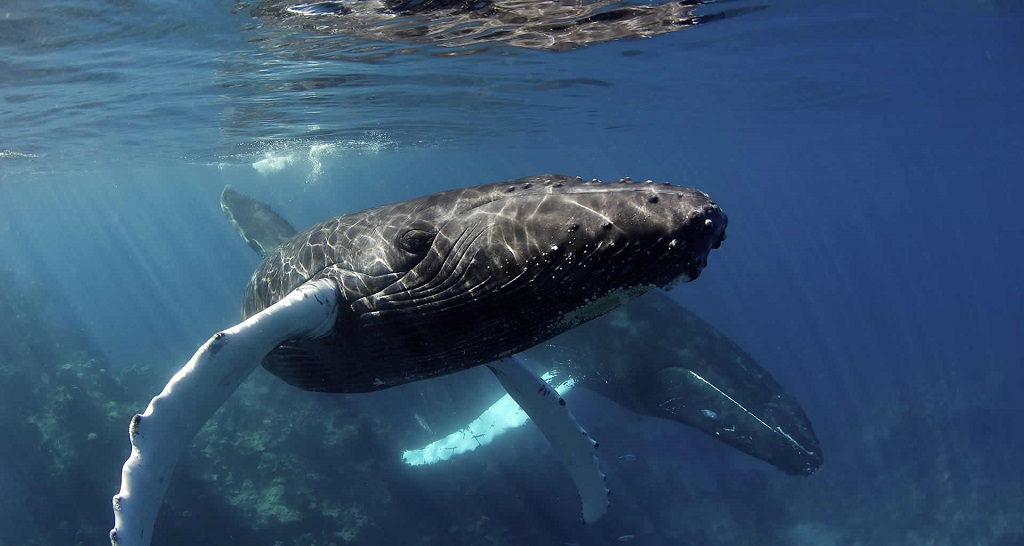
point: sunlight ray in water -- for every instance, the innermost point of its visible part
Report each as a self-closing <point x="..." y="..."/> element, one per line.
<point x="868" y="155"/>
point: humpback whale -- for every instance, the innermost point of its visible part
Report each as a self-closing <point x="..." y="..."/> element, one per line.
<point x="652" y="356"/>
<point x="430" y="286"/>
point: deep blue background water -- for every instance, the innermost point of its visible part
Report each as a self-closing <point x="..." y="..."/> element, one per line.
<point x="868" y="156"/>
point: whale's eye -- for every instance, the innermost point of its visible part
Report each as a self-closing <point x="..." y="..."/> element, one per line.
<point x="416" y="241"/>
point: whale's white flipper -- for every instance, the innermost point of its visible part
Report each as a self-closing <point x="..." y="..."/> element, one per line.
<point x="501" y="417"/>
<point x="572" y="444"/>
<point x="161" y="434"/>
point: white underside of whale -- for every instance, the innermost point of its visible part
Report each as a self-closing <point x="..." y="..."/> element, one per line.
<point x="501" y="417"/>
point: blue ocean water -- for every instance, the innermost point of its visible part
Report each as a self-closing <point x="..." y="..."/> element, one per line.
<point x="866" y="156"/>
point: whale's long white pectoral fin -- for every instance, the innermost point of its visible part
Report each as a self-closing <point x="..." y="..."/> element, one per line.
<point x="500" y="417"/>
<point x="161" y="434"/>
<point x="574" y="446"/>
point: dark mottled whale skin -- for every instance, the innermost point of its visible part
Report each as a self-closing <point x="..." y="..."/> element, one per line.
<point x="460" y="278"/>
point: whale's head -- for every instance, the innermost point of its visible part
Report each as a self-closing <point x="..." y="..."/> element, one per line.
<point x="463" y="277"/>
<point x="547" y="242"/>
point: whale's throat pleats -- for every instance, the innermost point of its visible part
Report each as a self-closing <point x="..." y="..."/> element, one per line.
<point x="394" y="345"/>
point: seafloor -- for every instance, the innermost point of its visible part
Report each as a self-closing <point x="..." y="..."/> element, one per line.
<point x="280" y="466"/>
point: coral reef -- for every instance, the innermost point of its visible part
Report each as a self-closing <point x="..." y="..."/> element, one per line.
<point x="63" y="413"/>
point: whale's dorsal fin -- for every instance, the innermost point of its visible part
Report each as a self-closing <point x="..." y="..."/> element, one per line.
<point x="261" y="227"/>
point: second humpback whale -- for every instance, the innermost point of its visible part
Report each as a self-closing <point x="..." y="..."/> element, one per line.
<point x="427" y="287"/>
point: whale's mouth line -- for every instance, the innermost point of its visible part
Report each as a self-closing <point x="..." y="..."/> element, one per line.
<point x="448" y="288"/>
